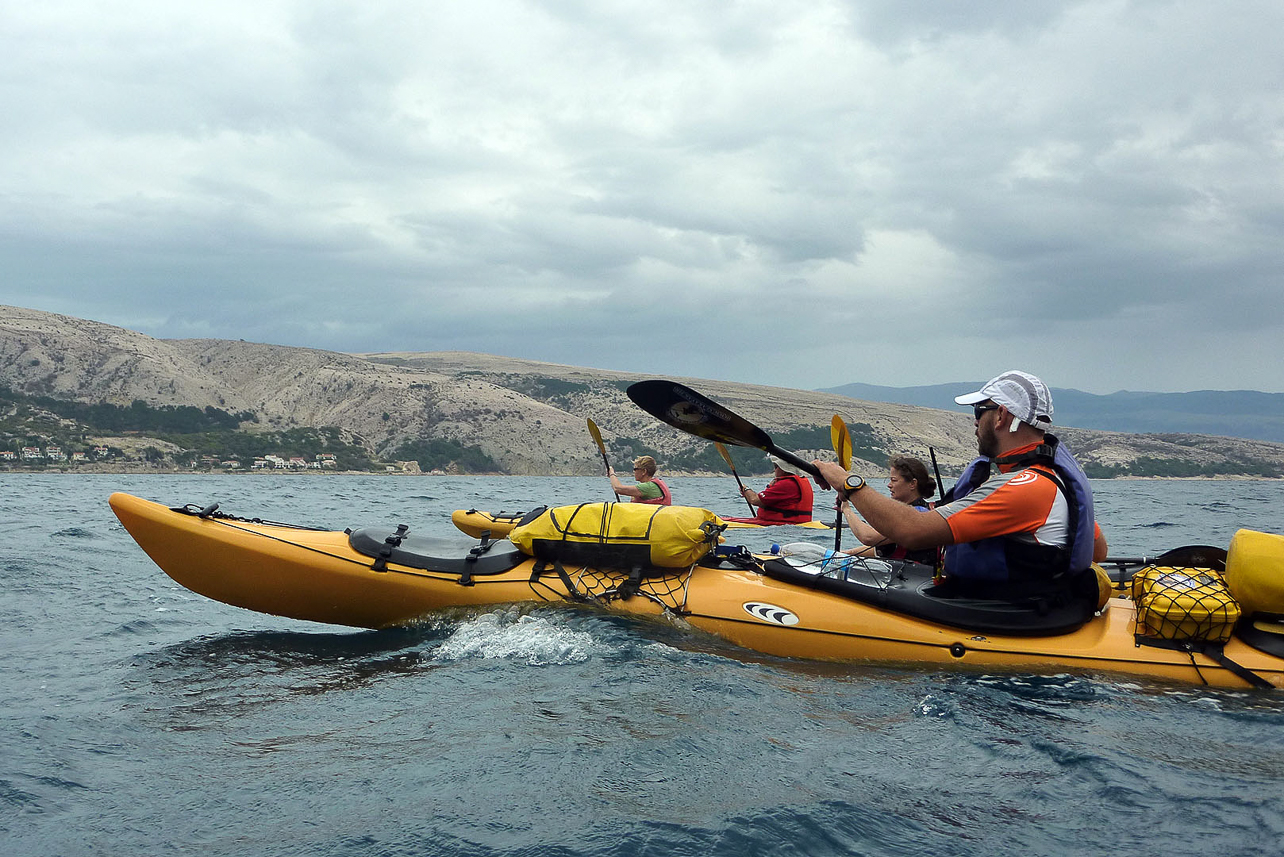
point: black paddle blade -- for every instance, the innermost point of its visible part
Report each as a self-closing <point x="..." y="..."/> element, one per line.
<point x="688" y="411"/>
<point x="1194" y="556"/>
<point x="1188" y="556"/>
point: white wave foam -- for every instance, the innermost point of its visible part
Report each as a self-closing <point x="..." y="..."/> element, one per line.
<point x="507" y="635"/>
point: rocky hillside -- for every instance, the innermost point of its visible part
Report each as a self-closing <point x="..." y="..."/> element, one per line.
<point x="527" y="417"/>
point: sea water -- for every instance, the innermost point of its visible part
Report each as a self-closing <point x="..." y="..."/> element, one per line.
<point x="137" y="718"/>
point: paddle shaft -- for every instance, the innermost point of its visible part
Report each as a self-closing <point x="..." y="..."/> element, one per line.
<point x="940" y="486"/>
<point x="838" y="527"/>
<point x="601" y="447"/>
<point x="1188" y="556"/>
<point x="1199" y="556"/>
<point x="726" y="456"/>
<point x="842" y="441"/>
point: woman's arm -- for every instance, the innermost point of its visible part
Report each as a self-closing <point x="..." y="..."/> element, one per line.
<point x="620" y="488"/>
<point x="903" y="524"/>
<point x="863" y="531"/>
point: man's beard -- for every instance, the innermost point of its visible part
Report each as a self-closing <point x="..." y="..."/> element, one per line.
<point x="987" y="441"/>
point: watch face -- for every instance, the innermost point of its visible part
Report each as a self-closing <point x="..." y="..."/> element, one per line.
<point x="855" y="483"/>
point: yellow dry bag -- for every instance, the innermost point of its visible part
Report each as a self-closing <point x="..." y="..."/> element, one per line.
<point x="620" y="535"/>
<point x="1184" y="604"/>
<point x="1255" y="571"/>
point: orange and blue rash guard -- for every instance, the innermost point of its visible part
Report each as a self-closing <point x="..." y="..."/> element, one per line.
<point x="1025" y="505"/>
<point x="1018" y="526"/>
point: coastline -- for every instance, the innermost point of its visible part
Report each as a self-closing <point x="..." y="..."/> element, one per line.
<point x="145" y="469"/>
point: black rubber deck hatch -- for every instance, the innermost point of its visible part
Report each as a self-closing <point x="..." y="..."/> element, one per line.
<point x="463" y="556"/>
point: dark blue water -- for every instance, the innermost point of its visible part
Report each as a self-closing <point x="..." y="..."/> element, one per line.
<point x="137" y="718"/>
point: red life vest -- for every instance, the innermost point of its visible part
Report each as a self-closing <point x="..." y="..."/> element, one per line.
<point x="796" y="510"/>
<point x="665" y="498"/>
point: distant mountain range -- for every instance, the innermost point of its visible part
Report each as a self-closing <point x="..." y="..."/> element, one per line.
<point x="80" y="394"/>
<point x="1230" y="413"/>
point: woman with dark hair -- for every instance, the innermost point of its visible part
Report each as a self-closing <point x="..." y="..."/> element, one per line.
<point x="908" y="482"/>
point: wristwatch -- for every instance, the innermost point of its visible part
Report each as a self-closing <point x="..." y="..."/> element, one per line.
<point x="852" y="485"/>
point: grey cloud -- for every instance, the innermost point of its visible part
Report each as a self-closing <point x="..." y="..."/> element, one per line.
<point x="731" y="192"/>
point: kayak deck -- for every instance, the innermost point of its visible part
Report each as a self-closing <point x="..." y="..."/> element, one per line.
<point x="317" y="575"/>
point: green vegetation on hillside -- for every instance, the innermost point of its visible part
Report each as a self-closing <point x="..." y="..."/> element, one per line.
<point x="1177" y="468"/>
<point x="448" y="455"/>
<point x="244" y="447"/>
<point x="554" y="391"/>
<point x="207" y="436"/>
<point x="865" y="444"/>
<point x="139" y="416"/>
<point x="622" y="450"/>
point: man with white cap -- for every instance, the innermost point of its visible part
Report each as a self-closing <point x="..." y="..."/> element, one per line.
<point x="1025" y="531"/>
<point x="787" y="500"/>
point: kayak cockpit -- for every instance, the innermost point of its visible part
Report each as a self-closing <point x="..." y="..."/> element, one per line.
<point x="908" y="588"/>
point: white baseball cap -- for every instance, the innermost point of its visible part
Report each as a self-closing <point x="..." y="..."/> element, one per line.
<point x="786" y="466"/>
<point x="1025" y="396"/>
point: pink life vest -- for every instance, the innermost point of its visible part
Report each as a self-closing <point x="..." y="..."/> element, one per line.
<point x="665" y="498"/>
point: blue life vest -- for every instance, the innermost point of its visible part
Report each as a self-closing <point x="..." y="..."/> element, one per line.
<point x="1001" y="559"/>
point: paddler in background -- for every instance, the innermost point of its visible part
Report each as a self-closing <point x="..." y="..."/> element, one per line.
<point x="1019" y="523"/>
<point x="908" y="482"/>
<point x="787" y="499"/>
<point x="649" y="488"/>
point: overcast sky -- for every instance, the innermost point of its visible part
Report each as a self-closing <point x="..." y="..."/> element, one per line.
<point x="802" y="193"/>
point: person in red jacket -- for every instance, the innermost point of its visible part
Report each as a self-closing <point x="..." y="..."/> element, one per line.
<point x="786" y="500"/>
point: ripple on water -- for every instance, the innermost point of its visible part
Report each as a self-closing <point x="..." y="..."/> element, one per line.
<point x="74" y="533"/>
<point x="1063" y="689"/>
<point x="284" y="649"/>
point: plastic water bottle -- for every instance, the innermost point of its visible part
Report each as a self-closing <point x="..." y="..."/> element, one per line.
<point x="807" y="553"/>
<point x="816" y="560"/>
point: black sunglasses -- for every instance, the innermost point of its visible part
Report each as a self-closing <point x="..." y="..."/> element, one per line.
<point x="979" y="409"/>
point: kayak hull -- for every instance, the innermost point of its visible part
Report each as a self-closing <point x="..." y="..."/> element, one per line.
<point x="317" y="576"/>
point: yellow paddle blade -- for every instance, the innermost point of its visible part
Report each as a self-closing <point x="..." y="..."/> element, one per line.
<point x="726" y="455"/>
<point x="601" y="447"/>
<point x="842" y="441"/>
<point x="597" y="435"/>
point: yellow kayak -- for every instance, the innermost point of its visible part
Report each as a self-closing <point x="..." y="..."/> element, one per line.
<point x="377" y="578"/>
<point x="474" y="522"/>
